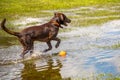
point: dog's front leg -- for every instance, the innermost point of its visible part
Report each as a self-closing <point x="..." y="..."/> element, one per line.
<point x="58" y="41"/>
<point x="49" y="45"/>
<point x="31" y="51"/>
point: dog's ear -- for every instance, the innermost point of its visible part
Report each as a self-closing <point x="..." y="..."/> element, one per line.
<point x="55" y="14"/>
<point x="62" y="17"/>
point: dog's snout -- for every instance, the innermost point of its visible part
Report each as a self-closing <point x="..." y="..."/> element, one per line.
<point x="69" y="21"/>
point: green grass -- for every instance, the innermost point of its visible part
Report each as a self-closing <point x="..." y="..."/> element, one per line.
<point x="89" y="22"/>
<point x="14" y="9"/>
<point x="98" y="77"/>
<point x="115" y="46"/>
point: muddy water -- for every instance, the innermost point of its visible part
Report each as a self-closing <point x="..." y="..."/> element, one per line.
<point x="90" y="52"/>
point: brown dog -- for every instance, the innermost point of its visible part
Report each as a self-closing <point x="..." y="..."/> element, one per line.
<point x="45" y="33"/>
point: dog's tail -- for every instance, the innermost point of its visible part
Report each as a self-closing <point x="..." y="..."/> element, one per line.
<point x="8" y="31"/>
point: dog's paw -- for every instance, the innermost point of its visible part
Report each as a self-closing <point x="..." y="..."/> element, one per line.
<point x="45" y="50"/>
<point x="56" y="46"/>
<point x="22" y="56"/>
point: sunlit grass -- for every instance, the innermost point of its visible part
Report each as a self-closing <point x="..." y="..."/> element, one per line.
<point x="115" y="46"/>
<point x="89" y="22"/>
<point x="99" y="77"/>
<point x="14" y="9"/>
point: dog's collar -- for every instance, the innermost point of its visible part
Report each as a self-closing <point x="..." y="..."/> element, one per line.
<point x="56" y="24"/>
<point x="56" y="27"/>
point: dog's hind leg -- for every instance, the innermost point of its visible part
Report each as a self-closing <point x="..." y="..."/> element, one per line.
<point x="24" y="48"/>
<point x="24" y="52"/>
<point x="27" y="45"/>
<point x="32" y="48"/>
<point x="49" y="45"/>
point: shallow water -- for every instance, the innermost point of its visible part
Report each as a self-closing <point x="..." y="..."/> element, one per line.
<point x="89" y="52"/>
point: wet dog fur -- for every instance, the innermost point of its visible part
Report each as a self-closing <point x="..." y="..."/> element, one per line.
<point x="45" y="33"/>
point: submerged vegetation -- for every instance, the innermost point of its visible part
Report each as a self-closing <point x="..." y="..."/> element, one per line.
<point x="100" y="77"/>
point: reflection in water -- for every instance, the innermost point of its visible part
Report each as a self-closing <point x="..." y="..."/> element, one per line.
<point x="90" y="50"/>
<point x="44" y="72"/>
<point x="7" y="41"/>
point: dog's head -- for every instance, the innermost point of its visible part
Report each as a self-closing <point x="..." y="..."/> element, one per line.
<point x="61" y="18"/>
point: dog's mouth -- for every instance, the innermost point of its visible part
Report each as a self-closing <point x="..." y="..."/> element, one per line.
<point x="66" y="22"/>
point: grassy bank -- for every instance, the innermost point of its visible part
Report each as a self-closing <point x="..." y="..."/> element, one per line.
<point x="100" y="77"/>
<point x="14" y="9"/>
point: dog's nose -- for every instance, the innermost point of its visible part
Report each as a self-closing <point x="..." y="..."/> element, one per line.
<point x="69" y="21"/>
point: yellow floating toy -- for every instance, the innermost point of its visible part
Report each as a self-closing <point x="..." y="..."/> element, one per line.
<point x="62" y="53"/>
